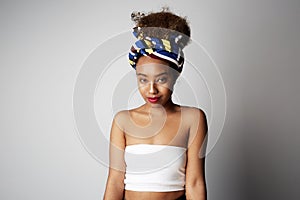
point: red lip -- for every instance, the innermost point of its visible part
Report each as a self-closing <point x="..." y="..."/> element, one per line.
<point x="153" y="100"/>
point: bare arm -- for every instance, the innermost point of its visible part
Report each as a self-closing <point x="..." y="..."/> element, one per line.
<point x="195" y="170"/>
<point x="115" y="181"/>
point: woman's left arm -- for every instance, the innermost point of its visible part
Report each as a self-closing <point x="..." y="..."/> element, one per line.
<point x="195" y="169"/>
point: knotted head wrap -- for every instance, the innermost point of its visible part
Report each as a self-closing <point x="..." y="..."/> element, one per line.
<point x="168" y="47"/>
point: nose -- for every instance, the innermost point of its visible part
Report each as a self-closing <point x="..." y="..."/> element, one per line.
<point x="152" y="88"/>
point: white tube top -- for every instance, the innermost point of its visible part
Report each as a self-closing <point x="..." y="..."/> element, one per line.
<point x="155" y="168"/>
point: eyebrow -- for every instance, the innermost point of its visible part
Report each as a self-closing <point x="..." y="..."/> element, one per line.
<point x="141" y="74"/>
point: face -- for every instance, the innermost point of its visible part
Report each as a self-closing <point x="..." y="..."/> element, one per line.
<point x="155" y="80"/>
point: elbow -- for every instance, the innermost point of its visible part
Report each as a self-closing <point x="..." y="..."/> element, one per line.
<point x="196" y="189"/>
<point x="114" y="188"/>
<point x="117" y="181"/>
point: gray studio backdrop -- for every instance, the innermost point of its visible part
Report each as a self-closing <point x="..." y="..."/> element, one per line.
<point x="44" y="44"/>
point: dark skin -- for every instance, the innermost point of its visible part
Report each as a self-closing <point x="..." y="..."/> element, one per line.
<point x="167" y="124"/>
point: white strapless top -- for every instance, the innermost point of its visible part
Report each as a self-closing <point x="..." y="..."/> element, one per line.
<point x="156" y="168"/>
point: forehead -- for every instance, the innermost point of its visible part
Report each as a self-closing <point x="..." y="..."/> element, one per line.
<point x="151" y="66"/>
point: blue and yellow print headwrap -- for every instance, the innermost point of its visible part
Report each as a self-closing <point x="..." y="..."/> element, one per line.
<point x="168" y="49"/>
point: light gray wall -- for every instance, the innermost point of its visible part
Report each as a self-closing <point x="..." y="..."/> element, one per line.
<point x="45" y="43"/>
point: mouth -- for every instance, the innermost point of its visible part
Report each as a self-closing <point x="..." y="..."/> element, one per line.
<point x="153" y="100"/>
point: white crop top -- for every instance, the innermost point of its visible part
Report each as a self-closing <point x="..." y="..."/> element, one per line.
<point x="155" y="168"/>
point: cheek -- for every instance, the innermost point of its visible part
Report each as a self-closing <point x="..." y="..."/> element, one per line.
<point x="142" y="88"/>
<point x="167" y="88"/>
<point x="140" y="85"/>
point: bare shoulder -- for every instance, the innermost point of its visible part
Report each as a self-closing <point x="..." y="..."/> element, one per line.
<point x="193" y="114"/>
<point x="124" y="115"/>
<point x="121" y="114"/>
<point x="121" y="118"/>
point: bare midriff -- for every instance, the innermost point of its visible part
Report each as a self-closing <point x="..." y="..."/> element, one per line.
<point x="134" y="195"/>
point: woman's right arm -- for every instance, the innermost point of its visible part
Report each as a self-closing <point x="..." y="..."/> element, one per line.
<point x="115" y="181"/>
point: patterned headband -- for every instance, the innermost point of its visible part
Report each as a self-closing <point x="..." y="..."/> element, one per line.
<point x="170" y="50"/>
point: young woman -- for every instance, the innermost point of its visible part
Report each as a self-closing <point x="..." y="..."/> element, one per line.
<point x="155" y="148"/>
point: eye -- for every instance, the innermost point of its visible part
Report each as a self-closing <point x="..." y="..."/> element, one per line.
<point x="162" y="80"/>
<point x="142" y="80"/>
